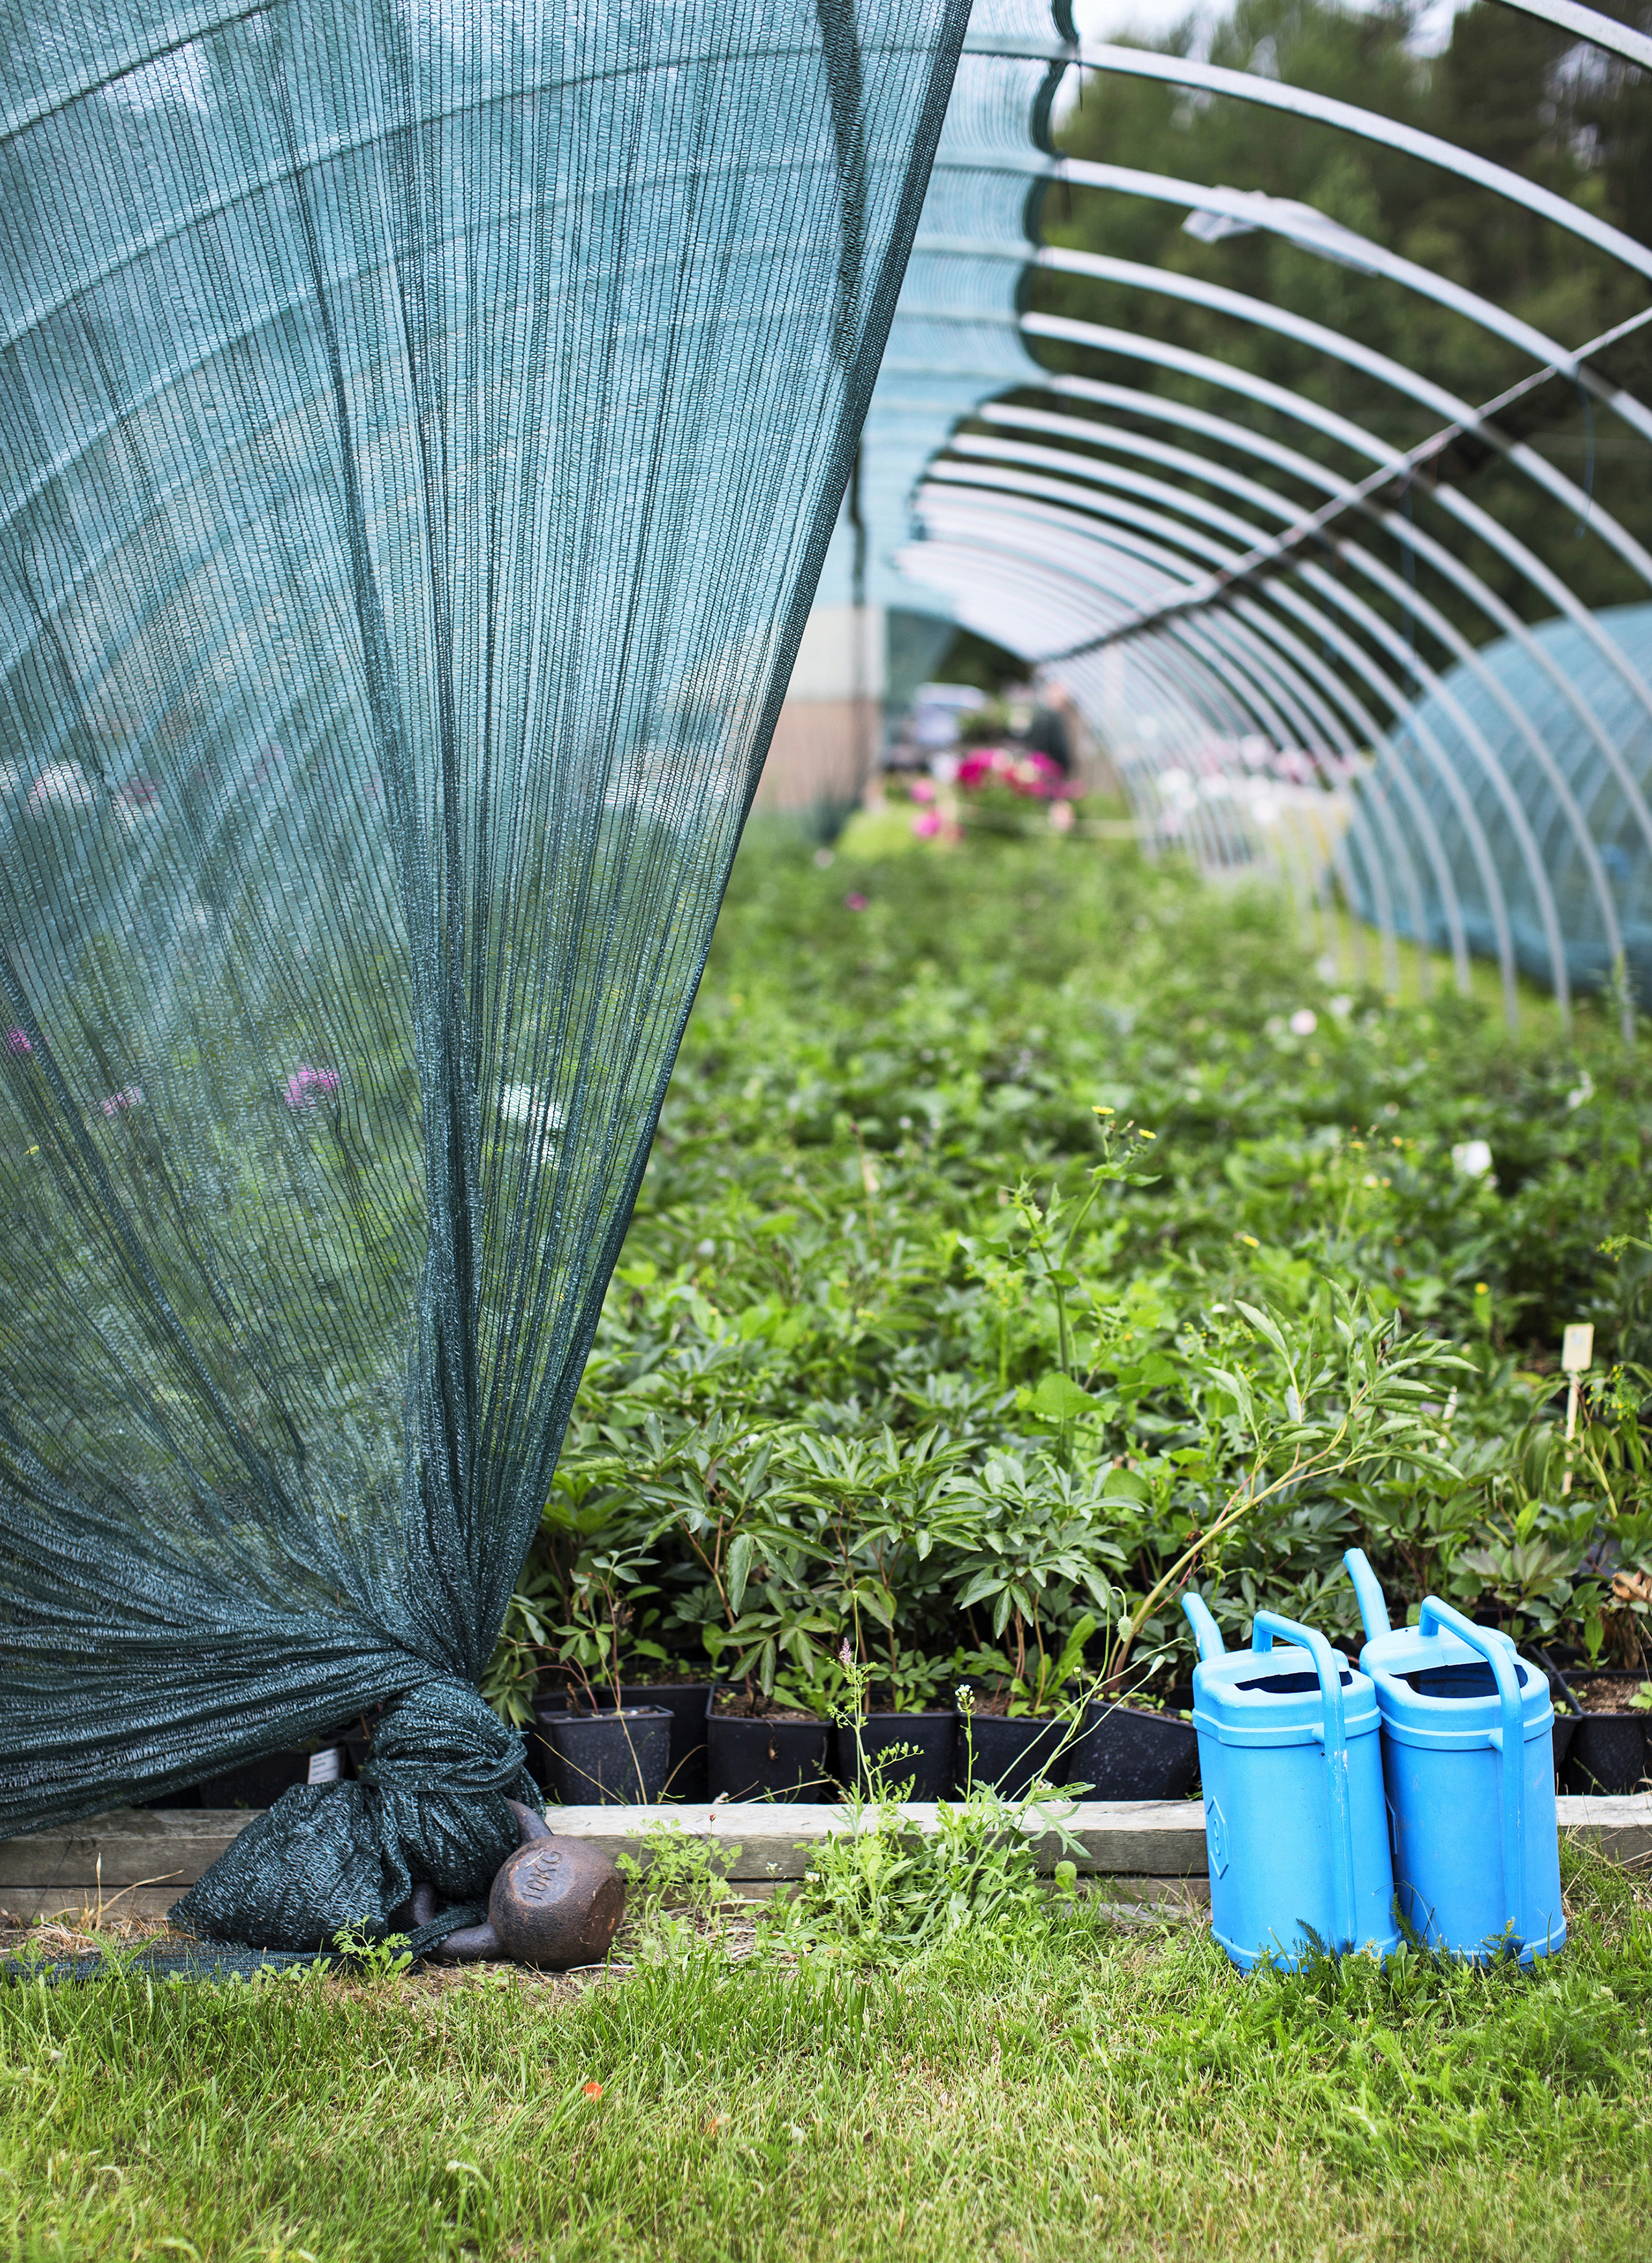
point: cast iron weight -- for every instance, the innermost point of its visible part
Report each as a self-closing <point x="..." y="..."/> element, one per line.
<point x="555" y="1902"/>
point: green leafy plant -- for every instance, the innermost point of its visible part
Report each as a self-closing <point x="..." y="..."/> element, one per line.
<point x="1037" y="1534"/>
<point x="676" y="1892"/>
<point x="879" y="1892"/>
<point x="378" y="1959"/>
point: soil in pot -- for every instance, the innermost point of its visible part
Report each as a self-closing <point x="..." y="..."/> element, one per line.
<point x="609" y="1758"/>
<point x="685" y="1703"/>
<point x="778" y="1754"/>
<point x="1612" y="1743"/>
<point x="1010" y="1755"/>
<point x="684" y="1699"/>
<point x="1125" y="1752"/>
<point x="906" y="1748"/>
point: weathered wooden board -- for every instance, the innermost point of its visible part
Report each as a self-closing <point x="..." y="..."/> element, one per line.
<point x="148" y="1857"/>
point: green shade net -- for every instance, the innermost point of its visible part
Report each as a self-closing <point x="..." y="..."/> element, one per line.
<point x="422" y="428"/>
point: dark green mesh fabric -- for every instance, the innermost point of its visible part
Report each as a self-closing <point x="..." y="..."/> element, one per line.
<point x="422" y="431"/>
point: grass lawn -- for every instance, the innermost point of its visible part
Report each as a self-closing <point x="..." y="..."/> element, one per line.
<point x="1093" y="2087"/>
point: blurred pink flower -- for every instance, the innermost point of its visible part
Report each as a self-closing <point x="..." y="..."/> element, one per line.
<point x="17" y="1042"/>
<point x="1019" y="769"/>
<point x="856" y="903"/>
<point x="922" y="788"/>
<point x="306" y="1084"/>
<point x="926" y="824"/>
<point x="130" y="1096"/>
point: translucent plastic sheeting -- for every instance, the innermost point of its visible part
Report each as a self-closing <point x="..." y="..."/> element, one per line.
<point x="1509" y="676"/>
<point x="424" y="432"/>
<point x="954" y="342"/>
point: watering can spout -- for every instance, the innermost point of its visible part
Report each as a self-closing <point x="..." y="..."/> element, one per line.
<point x="1207" y="1633"/>
<point x="1373" y="1610"/>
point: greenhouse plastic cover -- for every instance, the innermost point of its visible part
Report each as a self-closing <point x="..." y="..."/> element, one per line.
<point x="1521" y="698"/>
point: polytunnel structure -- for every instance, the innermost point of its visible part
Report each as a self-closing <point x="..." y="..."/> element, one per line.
<point x="1308" y="636"/>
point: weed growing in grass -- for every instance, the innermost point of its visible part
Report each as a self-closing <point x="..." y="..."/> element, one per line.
<point x="371" y="1957"/>
<point x="879" y="1892"/>
<point x="678" y="1892"/>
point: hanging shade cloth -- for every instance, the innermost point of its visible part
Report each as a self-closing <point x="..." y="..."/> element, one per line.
<point x="423" y="429"/>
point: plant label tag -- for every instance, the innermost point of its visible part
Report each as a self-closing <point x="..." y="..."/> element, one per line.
<point x="1578" y="1347"/>
<point x="325" y="1767"/>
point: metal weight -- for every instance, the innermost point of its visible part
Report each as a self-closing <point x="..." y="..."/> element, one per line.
<point x="554" y="1903"/>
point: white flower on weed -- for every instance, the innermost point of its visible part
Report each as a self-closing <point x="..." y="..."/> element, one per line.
<point x="1304" y="1021"/>
<point x="519" y="1103"/>
<point x="65" y="782"/>
<point x="1473" y="1158"/>
<point x="1581" y="1091"/>
<point x="1341" y="1007"/>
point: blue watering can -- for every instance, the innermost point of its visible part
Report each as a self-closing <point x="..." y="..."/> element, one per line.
<point x="1468" y="1759"/>
<point x="1293" y="1816"/>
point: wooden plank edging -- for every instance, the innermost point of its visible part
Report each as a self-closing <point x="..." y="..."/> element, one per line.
<point x="157" y="1850"/>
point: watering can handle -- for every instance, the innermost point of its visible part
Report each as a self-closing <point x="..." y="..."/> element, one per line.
<point x="1328" y="1666"/>
<point x="1373" y="1611"/>
<point x="1498" y="1653"/>
<point x="1207" y="1633"/>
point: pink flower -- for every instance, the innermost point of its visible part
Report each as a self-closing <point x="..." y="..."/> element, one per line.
<point x="17" y="1042"/>
<point x="926" y="824"/>
<point x="307" y="1084"/>
<point x="1020" y="769"/>
<point x="130" y="1096"/>
<point x="856" y="903"/>
<point x="922" y="788"/>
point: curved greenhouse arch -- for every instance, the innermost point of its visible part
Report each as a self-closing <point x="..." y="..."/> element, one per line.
<point x="1448" y="576"/>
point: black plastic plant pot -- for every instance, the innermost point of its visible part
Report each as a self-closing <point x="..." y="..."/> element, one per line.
<point x="917" y="1748"/>
<point x="685" y="1703"/>
<point x="260" y="1782"/>
<point x="607" y="1759"/>
<point x="1010" y="1755"/>
<point x="763" y="1758"/>
<point x="1610" y="1753"/>
<point x="1122" y="1751"/>
<point x="1565" y="1730"/>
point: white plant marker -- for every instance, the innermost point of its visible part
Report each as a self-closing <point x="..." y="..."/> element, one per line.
<point x="1577" y="1349"/>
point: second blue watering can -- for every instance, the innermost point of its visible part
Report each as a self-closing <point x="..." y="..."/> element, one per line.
<point x="1468" y="1762"/>
<point x="1294" y="1825"/>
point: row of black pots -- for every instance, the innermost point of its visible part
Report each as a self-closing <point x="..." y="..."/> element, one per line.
<point x="1600" y="1752"/>
<point x="260" y="1782"/>
<point x="671" y="1741"/>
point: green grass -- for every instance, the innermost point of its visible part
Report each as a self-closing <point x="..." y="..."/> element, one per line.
<point x="1098" y="2088"/>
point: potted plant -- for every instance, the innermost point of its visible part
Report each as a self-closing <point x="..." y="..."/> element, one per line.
<point x="866" y="1511"/>
<point x="765" y="1735"/>
<point x="594" y="1748"/>
<point x="1034" y="1536"/>
<point x="906" y="1744"/>
<point x="1611" y="1747"/>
